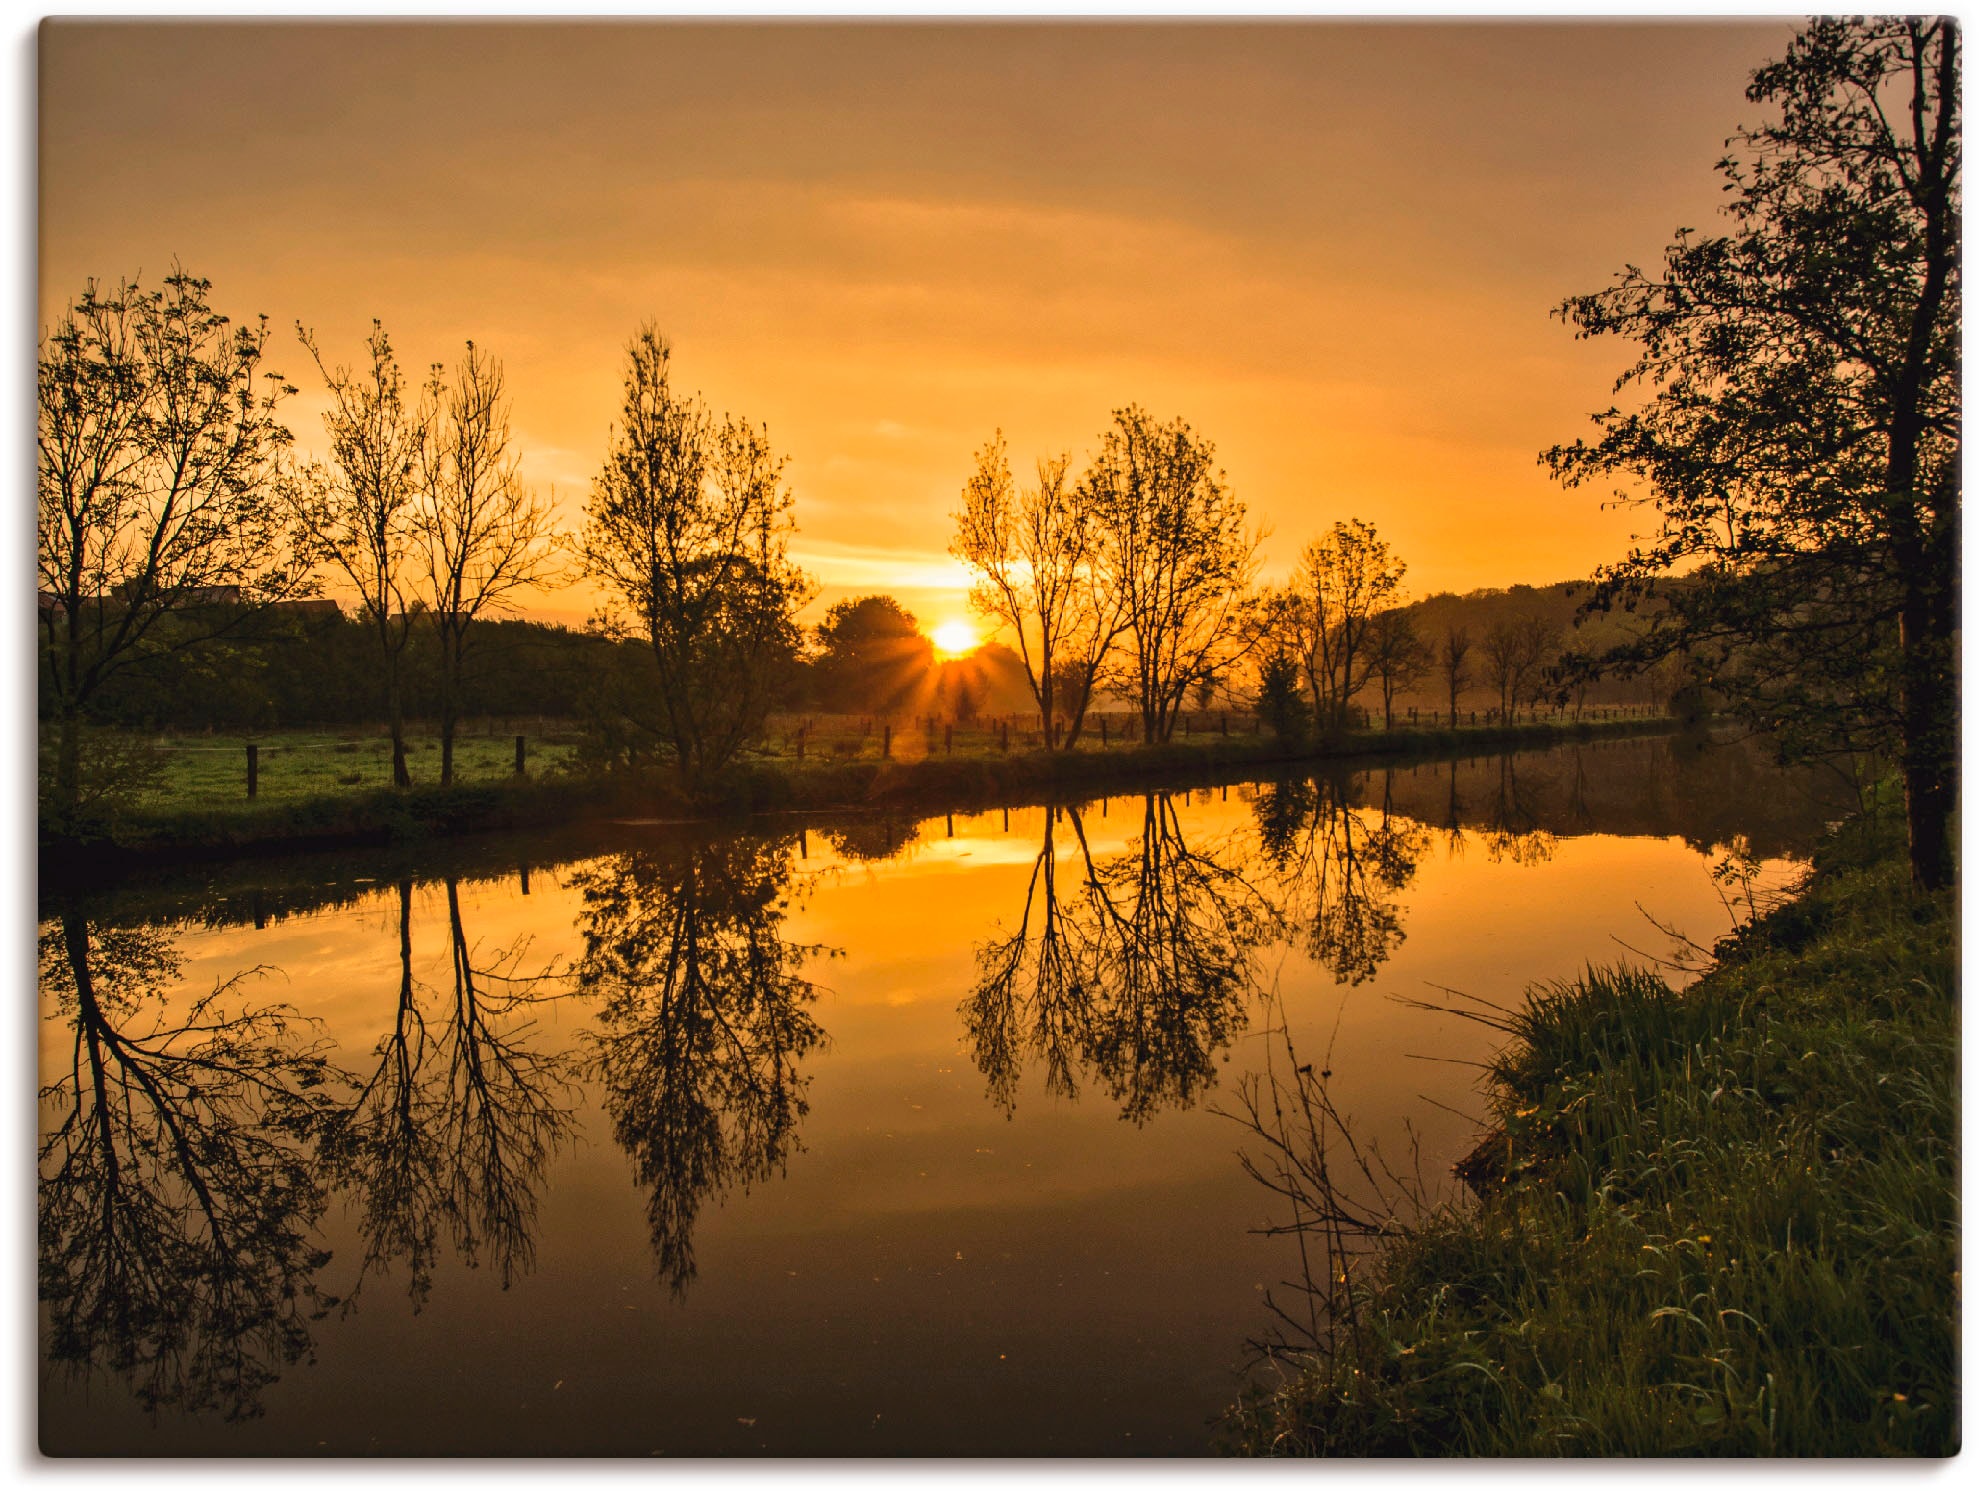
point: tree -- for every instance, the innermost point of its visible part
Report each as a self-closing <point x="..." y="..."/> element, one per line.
<point x="1798" y="436"/>
<point x="1279" y="702"/>
<point x="1176" y="558"/>
<point x="1399" y="656"/>
<point x="483" y="534"/>
<point x="1344" y="579"/>
<point x="158" y="526"/>
<point x="356" y="512"/>
<point x="872" y="656"/>
<point x="1516" y="650"/>
<point x="1454" y="665"/>
<point x="686" y="529"/>
<point x="1035" y="551"/>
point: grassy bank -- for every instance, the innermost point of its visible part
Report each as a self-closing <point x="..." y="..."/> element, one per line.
<point x="1715" y="1222"/>
<point x="374" y="815"/>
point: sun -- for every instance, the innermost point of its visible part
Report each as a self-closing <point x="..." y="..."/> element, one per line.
<point x="954" y="638"/>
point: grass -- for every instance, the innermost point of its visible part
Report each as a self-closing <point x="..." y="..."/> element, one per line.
<point x="210" y="773"/>
<point x="306" y="799"/>
<point x="1714" y="1222"/>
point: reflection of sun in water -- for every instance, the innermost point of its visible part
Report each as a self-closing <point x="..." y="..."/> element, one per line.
<point x="954" y="638"/>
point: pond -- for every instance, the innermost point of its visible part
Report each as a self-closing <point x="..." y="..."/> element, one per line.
<point x="870" y="1136"/>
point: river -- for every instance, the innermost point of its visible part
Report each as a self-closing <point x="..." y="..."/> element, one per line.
<point x="866" y="1136"/>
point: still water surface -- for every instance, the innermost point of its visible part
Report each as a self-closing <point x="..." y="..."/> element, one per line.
<point x="879" y="1137"/>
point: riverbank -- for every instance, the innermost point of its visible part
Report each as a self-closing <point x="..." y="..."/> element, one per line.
<point x="1717" y="1222"/>
<point x="762" y="785"/>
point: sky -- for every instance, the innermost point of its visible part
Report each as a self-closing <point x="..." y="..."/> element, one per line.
<point x="1334" y="248"/>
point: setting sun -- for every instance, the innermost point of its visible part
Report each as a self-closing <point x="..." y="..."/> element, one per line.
<point x="954" y="638"/>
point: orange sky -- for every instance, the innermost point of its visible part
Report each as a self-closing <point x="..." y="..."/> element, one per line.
<point x="1332" y="247"/>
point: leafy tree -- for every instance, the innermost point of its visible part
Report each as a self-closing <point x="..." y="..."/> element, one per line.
<point x="1177" y="558"/>
<point x="686" y="529"/>
<point x="1035" y="551"/>
<point x="1344" y="579"/>
<point x="1280" y="702"/>
<point x="1799" y="431"/>
<point x="158" y="526"/>
<point x="355" y="512"/>
<point x="872" y="656"/>
<point x="1516" y="651"/>
<point x="1399" y="655"/>
<point x="483" y="535"/>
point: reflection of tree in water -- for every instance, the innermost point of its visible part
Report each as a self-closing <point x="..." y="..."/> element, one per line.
<point x="1139" y="973"/>
<point x="704" y="1022"/>
<point x="1512" y="832"/>
<point x="1340" y="869"/>
<point x="178" y="1177"/>
<point x="454" y="1127"/>
<point x="878" y="836"/>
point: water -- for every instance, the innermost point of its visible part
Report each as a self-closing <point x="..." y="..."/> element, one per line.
<point x="875" y="1137"/>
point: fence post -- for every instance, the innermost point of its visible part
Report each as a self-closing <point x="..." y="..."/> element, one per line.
<point x="886" y="741"/>
<point x="801" y="746"/>
<point x="1224" y="724"/>
<point x="519" y="763"/>
<point x="1103" y="732"/>
<point x="946" y="736"/>
<point x="254" y="768"/>
<point x="1004" y="737"/>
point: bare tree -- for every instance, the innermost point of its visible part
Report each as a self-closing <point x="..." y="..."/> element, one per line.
<point x="1176" y="556"/>
<point x="1454" y="665"/>
<point x="356" y="512"/>
<point x="483" y="534"/>
<point x="1034" y="551"/>
<point x="1516" y="651"/>
<point x="687" y="529"/>
<point x="157" y="523"/>
<point x="1343" y="580"/>
<point x="1399" y="656"/>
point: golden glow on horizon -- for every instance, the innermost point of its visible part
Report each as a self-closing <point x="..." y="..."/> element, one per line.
<point x="954" y="639"/>
<point x="886" y="241"/>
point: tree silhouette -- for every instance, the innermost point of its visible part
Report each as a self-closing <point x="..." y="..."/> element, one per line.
<point x="1136" y="977"/>
<point x="704" y="1022"/>
<point x="179" y="1175"/>
<point x="450" y="1135"/>
<point x="1799" y="434"/>
<point x="1342" y="871"/>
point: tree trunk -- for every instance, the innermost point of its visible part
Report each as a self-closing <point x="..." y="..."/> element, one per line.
<point x="395" y="712"/>
<point x="68" y="764"/>
<point x="1930" y="730"/>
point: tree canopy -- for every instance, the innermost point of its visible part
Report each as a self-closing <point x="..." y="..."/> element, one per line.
<point x="1798" y="432"/>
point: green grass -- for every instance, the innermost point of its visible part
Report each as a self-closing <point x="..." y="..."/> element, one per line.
<point x="1717" y="1222"/>
<point x="209" y="773"/>
<point x="307" y="798"/>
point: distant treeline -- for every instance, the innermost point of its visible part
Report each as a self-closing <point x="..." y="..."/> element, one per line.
<point x="306" y="664"/>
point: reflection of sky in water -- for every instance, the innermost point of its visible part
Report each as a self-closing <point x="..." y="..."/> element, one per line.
<point x="929" y="1274"/>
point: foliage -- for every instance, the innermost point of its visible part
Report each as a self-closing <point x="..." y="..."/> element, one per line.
<point x="686" y="529"/>
<point x="1719" y="1221"/>
<point x="157" y="524"/>
<point x="1799" y="431"/>
<point x="1178" y="560"/>
<point x="1280" y="703"/>
<point x="1036" y="552"/>
<point x="872" y="657"/>
<point x="1343" y="581"/>
<point x="483" y="534"/>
